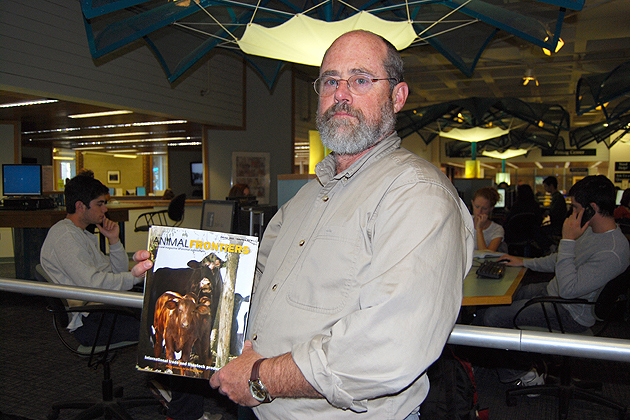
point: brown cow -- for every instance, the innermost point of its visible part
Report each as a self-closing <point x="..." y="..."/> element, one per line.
<point x="178" y="323"/>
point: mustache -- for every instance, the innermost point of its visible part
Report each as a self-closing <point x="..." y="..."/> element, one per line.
<point x="342" y="107"/>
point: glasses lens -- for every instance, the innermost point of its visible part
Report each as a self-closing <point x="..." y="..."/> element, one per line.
<point x="360" y="84"/>
<point x="325" y="86"/>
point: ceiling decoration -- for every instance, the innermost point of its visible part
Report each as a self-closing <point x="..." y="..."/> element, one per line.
<point x="609" y="93"/>
<point x="182" y="32"/>
<point x="529" y="124"/>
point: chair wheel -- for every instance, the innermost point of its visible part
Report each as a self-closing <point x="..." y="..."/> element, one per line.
<point x="53" y="415"/>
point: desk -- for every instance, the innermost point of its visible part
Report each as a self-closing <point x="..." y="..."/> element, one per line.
<point x="30" y="228"/>
<point x="482" y="291"/>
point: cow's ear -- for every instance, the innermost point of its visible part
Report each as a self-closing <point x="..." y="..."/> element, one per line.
<point x="193" y="264"/>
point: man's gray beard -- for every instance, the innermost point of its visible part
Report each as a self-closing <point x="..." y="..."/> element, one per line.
<point x="345" y="138"/>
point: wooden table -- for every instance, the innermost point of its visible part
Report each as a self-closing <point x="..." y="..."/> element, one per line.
<point x="30" y="228"/>
<point x="483" y="291"/>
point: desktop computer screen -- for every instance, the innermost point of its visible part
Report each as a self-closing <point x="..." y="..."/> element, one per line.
<point x="21" y="179"/>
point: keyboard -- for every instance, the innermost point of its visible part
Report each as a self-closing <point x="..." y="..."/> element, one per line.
<point x="491" y="270"/>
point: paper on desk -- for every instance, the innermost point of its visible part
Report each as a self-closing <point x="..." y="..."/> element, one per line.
<point x="484" y="253"/>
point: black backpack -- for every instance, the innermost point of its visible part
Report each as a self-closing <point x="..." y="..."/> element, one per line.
<point x="453" y="394"/>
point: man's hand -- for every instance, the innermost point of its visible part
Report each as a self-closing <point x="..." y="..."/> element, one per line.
<point x="143" y="263"/>
<point x="110" y="230"/>
<point x="571" y="228"/>
<point x="232" y="379"/>
<point x="511" y="260"/>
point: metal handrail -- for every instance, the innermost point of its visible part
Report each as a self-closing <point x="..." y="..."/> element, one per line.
<point x="498" y="338"/>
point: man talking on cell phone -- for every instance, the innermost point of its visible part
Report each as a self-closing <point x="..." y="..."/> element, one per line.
<point x="592" y="251"/>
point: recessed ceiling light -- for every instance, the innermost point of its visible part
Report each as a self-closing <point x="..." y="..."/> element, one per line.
<point x="101" y="114"/>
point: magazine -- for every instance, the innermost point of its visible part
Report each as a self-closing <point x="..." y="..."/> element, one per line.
<point x="196" y="300"/>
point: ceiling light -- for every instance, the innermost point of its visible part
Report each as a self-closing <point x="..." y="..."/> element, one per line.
<point x="559" y="45"/>
<point x="474" y="134"/>
<point x="508" y="154"/>
<point x="538" y="165"/>
<point x="27" y="103"/>
<point x="529" y="78"/>
<point x="596" y="164"/>
<point x="96" y="136"/>
<point x="62" y="158"/>
<point x="101" y="114"/>
<point x="457" y="165"/>
<point x="567" y="164"/>
<point x="125" y="156"/>
<point x="512" y="165"/>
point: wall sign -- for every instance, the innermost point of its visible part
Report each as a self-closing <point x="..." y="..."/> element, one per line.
<point x="622" y="166"/>
<point x="619" y="177"/>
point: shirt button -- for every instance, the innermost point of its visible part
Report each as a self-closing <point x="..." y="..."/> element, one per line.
<point x="275" y="286"/>
<point x="302" y="242"/>
<point x="255" y="337"/>
<point x="325" y="198"/>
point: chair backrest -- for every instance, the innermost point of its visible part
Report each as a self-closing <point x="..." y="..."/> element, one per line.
<point x="613" y="296"/>
<point x="521" y="227"/>
<point x="56" y="305"/>
<point x="176" y="208"/>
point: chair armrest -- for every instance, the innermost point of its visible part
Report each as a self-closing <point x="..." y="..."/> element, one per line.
<point x="554" y="301"/>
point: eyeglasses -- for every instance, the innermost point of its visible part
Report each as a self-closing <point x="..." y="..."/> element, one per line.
<point x="359" y="84"/>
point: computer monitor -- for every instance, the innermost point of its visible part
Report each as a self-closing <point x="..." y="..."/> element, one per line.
<point x="196" y="173"/>
<point x="501" y="203"/>
<point x="141" y="191"/>
<point x="619" y="195"/>
<point x="218" y="216"/>
<point x="21" y="179"/>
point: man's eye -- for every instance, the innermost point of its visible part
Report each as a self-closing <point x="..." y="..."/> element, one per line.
<point x="361" y="81"/>
<point x="330" y="82"/>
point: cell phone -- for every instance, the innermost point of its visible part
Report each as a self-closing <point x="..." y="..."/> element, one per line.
<point x="588" y="213"/>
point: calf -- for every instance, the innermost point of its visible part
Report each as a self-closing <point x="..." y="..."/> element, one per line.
<point x="177" y="323"/>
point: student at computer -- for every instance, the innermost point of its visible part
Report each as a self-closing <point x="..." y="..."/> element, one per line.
<point x="488" y="234"/>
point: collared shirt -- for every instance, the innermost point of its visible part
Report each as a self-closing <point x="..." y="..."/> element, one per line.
<point x="71" y="256"/>
<point x="361" y="281"/>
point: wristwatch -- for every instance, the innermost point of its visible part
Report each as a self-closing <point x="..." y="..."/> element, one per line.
<point x="256" y="387"/>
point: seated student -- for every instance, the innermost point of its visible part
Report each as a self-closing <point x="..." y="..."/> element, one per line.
<point x="488" y="234"/>
<point x="558" y="207"/>
<point x="71" y="255"/>
<point x="590" y="254"/>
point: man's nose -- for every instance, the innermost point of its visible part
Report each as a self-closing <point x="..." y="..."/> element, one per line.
<point x="342" y="93"/>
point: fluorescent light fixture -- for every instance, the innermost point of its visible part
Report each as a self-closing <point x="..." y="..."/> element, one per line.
<point x="125" y="156"/>
<point x="474" y="134"/>
<point x="101" y="114"/>
<point x="457" y="165"/>
<point x="538" y="165"/>
<point x="511" y="165"/>
<point x="509" y="153"/>
<point x="62" y="158"/>
<point x="596" y="164"/>
<point x="27" y="103"/>
<point x="97" y="136"/>
<point x="567" y="164"/>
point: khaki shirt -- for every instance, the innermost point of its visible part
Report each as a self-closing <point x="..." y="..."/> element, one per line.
<point x="360" y="278"/>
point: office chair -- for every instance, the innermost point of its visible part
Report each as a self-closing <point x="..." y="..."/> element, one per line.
<point x="111" y="405"/>
<point x="522" y="234"/>
<point x="611" y="304"/>
<point x="175" y="212"/>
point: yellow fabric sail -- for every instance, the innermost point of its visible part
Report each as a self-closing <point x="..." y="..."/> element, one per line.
<point x="304" y="40"/>
<point x="474" y="134"/>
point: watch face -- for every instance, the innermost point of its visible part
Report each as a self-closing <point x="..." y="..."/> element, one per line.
<point x="258" y="390"/>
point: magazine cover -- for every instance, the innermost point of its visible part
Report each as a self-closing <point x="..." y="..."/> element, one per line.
<point x="196" y="300"/>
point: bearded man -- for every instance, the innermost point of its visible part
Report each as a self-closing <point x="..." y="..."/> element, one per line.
<point x="359" y="276"/>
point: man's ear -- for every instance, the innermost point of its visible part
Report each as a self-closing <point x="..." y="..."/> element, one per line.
<point x="79" y="206"/>
<point x="399" y="95"/>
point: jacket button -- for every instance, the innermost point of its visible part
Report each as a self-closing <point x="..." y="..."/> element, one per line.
<point x="302" y="242"/>
<point x="255" y="337"/>
<point x="275" y="286"/>
<point x="325" y="198"/>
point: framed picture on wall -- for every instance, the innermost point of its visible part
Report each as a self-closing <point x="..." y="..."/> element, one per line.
<point x="113" y="177"/>
<point x="252" y="168"/>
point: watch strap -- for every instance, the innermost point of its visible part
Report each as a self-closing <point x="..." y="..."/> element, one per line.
<point x="256" y="369"/>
